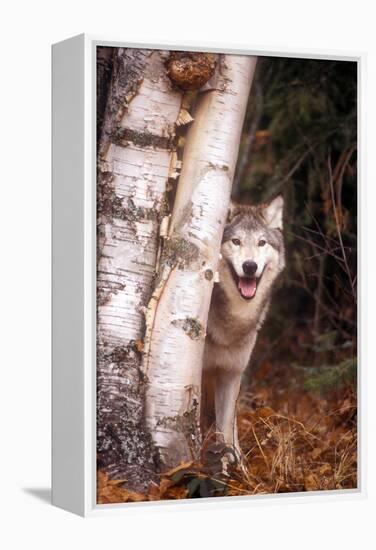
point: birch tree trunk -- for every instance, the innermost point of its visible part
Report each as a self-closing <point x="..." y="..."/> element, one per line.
<point x="137" y="143"/>
<point x="178" y="309"/>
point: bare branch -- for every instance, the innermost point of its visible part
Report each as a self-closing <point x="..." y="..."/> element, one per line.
<point x="338" y="227"/>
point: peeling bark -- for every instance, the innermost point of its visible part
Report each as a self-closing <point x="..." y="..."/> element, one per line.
<point x="135" y="154"/>
<point x="178" y="309"/>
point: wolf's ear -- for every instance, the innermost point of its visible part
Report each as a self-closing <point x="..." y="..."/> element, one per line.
<point x="233" y="209"/>
<point x="273" y="213"/>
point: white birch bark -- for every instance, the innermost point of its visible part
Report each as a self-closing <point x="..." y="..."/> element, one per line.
<point x="181" y="299"/>
<point x="133" y="169"/>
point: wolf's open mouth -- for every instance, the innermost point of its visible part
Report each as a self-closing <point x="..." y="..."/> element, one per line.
<point x="246" y="286"/>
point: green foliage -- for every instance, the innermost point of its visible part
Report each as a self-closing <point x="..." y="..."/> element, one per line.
<point x="330" y="377"/>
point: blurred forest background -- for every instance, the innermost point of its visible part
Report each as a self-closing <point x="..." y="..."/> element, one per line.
<point x="300" y="139"/>
<point x="297" y="412"/>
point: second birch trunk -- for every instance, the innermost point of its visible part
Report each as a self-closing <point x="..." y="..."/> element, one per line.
<point x="178" y="310"/>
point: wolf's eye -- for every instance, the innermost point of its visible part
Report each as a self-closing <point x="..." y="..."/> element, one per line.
<point x="262" y="242"/>
<point x="236" y="242"/>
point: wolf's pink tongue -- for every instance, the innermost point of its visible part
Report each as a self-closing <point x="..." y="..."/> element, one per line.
<point x="247" y="287"/>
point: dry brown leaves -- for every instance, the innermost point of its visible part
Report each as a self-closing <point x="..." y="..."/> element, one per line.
<point x="291" y="442"/>
<point x="311" y="450"/>
<point x="112" y="491"/>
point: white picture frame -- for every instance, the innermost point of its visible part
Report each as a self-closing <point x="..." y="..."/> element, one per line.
<point x="74" y="279"/>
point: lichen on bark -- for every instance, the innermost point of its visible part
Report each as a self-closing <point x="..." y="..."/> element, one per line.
<point x="191" y="326"/>
<point x="126" y="136"/>
<point x="179" y="252"/>
<point x="123" y="443"/>
<point x="187" y="424"/>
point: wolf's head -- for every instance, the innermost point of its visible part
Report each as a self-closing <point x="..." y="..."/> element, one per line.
<point x="252" y="246"/>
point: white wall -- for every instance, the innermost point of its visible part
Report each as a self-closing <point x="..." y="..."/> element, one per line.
<point x="28" y="29"/>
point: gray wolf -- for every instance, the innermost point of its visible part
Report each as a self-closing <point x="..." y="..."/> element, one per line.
<point x="252" y="257"/>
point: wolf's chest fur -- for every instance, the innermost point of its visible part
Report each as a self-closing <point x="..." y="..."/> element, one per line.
<point x="232" y="316"/>
<point x="232" y="325"/>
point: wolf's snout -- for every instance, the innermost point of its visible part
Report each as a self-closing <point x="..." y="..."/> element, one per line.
<point x="249" y="267"/>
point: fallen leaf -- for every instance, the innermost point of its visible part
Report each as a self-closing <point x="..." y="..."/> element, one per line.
<point x="264" y="412"/>
<point x="326" y="469"/>
<point x="311" y="482"/>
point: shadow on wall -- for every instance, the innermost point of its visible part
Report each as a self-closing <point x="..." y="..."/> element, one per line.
<point x="41" y="493"/>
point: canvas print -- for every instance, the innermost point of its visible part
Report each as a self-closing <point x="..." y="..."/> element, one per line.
<point x="226" y="275"/>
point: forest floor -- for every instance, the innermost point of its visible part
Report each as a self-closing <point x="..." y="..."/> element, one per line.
<point x="293" y="440"/>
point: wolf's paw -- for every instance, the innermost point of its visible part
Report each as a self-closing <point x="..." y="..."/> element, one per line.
<point x="232" y="457"/>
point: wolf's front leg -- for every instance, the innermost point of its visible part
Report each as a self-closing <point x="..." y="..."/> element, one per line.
<point x="227" y="389"/>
